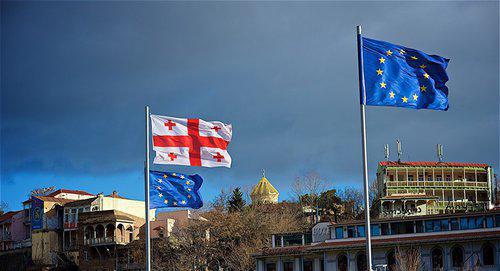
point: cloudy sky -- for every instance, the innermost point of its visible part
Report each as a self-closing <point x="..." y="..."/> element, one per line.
<point x="75" y="78"/>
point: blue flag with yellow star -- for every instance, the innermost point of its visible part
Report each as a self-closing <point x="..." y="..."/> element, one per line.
<point x="403" y="77"/>
<point x="170" y="189"/>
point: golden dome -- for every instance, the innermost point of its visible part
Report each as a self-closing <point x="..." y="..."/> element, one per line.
<point x="264" y="192"/>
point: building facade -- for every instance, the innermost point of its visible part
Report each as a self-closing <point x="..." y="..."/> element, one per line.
<point x="264" y="192"/>
<point x="419" y="188"/>
<point x="442" y="242"/>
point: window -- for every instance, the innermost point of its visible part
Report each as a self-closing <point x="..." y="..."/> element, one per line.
<point x="308" y="265"/>
<point x="385" y="229"/>
<point x="448" y="178"/>
<point x="437" y="259"/>
<point x="420" y="226"/>
<point x="351" y="232"/>
<point x="420" y="178"/>
<point x="361" y="231"/>
<point x="339" y="233"/>
<point x="361" y="261"/>
<point x="488" y="255"/>
<point x="454" y="224"/>
<point x="463" y="223"/>
<point x="375" y="230"/>
<point x="292" y="240"/>
<point x="429" y="178"/>
<point x="288" y="266"/>
<point x="439" y="178"/>
<point x="489" y="222"/>
<point x="271" y="267"/>
<point x="410" y="178"/>
<point x="277" y="240"/>
<point x="342" y="262"/>
<point x="457" y="257"/>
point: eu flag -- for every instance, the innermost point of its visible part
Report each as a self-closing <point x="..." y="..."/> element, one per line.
<point x="170" y="189"/>
<point x="403" y="77"/>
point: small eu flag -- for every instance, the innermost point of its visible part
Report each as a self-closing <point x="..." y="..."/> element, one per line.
<point x="403" y="77"/>
<point x="170" y="189"/>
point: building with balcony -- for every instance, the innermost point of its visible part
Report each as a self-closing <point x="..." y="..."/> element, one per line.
<point x="101" y="234"/>
<point x="167" y="224"/>
<point x="417" y="188"/>
<point x="458" y="241"/>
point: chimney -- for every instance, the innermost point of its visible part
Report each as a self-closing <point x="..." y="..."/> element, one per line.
<point x="115" y="194"/>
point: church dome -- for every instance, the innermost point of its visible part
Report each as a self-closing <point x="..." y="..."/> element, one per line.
<point x="264" y="192"/>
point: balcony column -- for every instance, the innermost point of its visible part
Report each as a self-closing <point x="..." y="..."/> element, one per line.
<point x="317" y="264"/>
<point x="279" y="264"/>
<point x="296" y="264"/>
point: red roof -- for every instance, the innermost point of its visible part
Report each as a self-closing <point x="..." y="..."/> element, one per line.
<point x="52" y="199"/>
<point x="8" y="215"/>
<point x="432" y="164"/>
<point x="68" y="191"/>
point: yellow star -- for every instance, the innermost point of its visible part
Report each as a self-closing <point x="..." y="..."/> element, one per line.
<point x="160" y="195"/>
<point x="402" y="52"/>
<point x="382" y="85"/>
<point x="423" y="88"/>
<point x="189" y="189"/>
<point x="382" y="60"/>
<point x="391" y="94"/>
<point x="189" y="196"/>
<point x="166" y="201"/>
<point x="389" y="52"/>
<point x="183" y="202"/>
<point x="182" y="177"/>
<point x="188" y="182"/>
<point x="158" y="187"/>
<point x="405" y="100"/>
<point x="175" y="203"/>
<point x="414" y="57"/>
<point x="173" y="174"/>
<point x="165" y="176"/>
<point x="160" y="180"/>
<point x="423" y="66"/>
<point x="415" y="97"/>
<point x="426" y="75"/>
<point x="379" y="72"/>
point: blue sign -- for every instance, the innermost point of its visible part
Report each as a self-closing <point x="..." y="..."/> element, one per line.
<point x="36" y="213"/>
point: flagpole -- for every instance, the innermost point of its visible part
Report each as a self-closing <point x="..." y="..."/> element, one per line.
<point x="363" y="141"/>
<point x="146" y="192"/>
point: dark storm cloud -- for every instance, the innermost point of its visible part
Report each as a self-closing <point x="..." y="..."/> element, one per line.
<point x="76" y="76"/>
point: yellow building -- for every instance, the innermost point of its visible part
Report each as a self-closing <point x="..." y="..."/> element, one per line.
<point x="264" y="192"/>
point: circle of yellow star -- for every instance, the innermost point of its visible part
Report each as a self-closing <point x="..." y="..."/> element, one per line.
<point x="187" y="182"/>
<point x="175" y="202"/>
<point x="183" y="202"/>
<point x="423" y="88"/>
<point x="182" y="177"/>
<point x="405" y="100"/>
<point x="379" y="72"/>
<point x="389" y="52"/>
<point x="402" y="52"/>
<point x="423" y="66"/>
<point x="426" y="75"/>
<point x="382" y="85"/>
<point x="414" y="57"/>
<point x="164" y="175"/>
<point x="391" y="94"/>
<point x="382" y="60"/>
<point x="158" y="187"/>
<point x="160" y="180"/>
<point x="166" y="201"/>
<point x="415" y="97"/>
<point x="160" y="195"/>
<point x="189" y="196"/>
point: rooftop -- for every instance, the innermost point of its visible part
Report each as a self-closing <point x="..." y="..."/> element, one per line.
<point x="69" y="191"/>
<point x="431" y="164"/>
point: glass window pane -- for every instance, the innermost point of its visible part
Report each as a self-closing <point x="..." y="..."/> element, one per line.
<point x="463" y="224"/>
<point x="420" y="226"/>
<point x="339" y="233"/>
<point x="429" y="227"/>
<point x="361" y="231"/>
<point x="444" y="225"/>
<point x="489" y="222"/>
<point x="454" y="224"/>
<point x="351" y="232"/>
<point x="375" y="230"/>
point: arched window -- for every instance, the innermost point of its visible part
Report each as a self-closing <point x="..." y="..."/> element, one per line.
<point x="361" y="261"/>
<point x="488" y="254"/>
<point x="437" y="259"/>
<point x="342" y="262"/>
<point x="391" y="261"/>
<point x="457" y="257"/>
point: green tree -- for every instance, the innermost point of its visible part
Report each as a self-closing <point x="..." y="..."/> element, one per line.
<point x="236" y="202"/>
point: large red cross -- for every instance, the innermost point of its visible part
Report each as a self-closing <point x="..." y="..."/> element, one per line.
<point x="194" y="141"/>
<point x="170" y="124"/>
<point x="219" y="157"/>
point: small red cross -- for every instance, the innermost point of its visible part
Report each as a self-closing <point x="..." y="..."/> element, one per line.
<point x="219" y="157"/>
<point x="216" y="128"/>
<point x="170" y="124"/>
<point x="172" y="156"/>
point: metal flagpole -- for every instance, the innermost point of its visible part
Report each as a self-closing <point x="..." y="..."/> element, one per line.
<point x="363" y="141"/>
<point x="146" y="192"/>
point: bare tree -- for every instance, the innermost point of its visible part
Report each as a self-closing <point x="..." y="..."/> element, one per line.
<point x="408" y="260"/>
<point x="307" y="190"/>
<point x="3" y="207"/>
<point x="42" y="191"/>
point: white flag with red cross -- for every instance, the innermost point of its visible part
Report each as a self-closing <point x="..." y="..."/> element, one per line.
<point x="191" y="142"/>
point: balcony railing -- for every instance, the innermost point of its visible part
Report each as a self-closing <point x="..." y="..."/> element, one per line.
<point x="104" y="241"/>
<point x="445" y="184"/>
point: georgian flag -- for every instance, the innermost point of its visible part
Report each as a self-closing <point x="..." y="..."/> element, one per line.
<point x="191" y="142"/>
